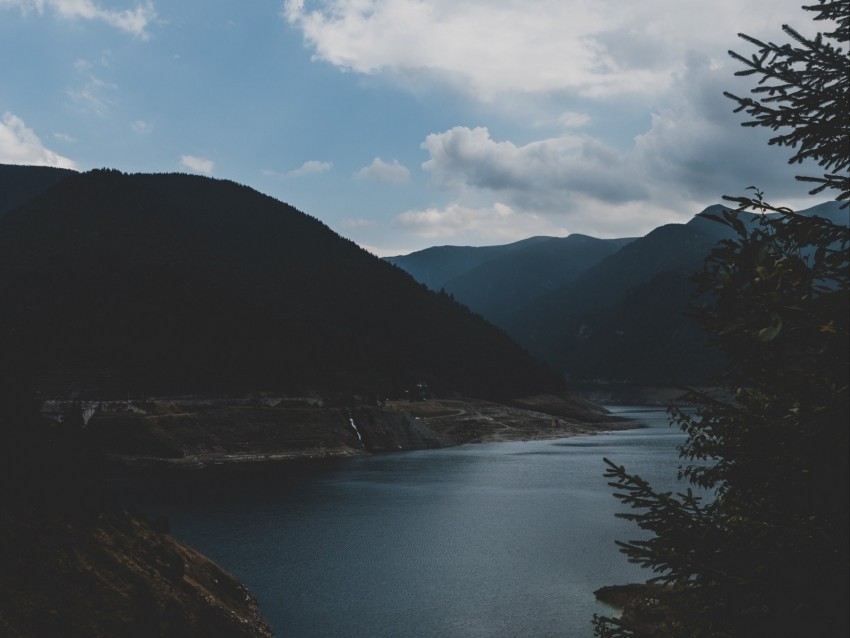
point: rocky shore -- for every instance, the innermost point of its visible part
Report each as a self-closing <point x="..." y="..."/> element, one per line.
<point x="534" y="418"/>
<point x="110" y="573"/>
<point x="642" y="604"/>
<point x="182" y="435"/>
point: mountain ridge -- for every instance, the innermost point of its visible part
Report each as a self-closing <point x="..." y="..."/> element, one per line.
<point x="620" y="318"/>
<point x="178" y="283"/>
<point x="22" y="183"/>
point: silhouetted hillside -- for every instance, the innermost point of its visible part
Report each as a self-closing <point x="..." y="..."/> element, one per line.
<point x="438" y="265"/>
<point x="626" y="318"/>
<point x="620" y="318"/>
<point x="20" y="184"/>
<point x="618" y="311"/>
<point x="500" y="286"/>
<point x="176" y="283"/>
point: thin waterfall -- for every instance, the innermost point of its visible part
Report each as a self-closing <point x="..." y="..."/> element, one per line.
<point x="356" y="431"/>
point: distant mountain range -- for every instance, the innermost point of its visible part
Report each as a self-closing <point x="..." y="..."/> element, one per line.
<point x="156" y="284"/>
<point x="598" y="310"/>
<point x="495" y="280"/>
<point x="176" y="283"/>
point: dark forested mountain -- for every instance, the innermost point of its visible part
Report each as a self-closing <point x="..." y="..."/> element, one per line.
<point x="19" y="184"/>
<point x="623" y="318"/>
<point x="438" y="265"/>
<point x="498" y="287"/>
<point x="617" y="312"/>
<point x="495" y="281"/>
<point x="176" y="283"/>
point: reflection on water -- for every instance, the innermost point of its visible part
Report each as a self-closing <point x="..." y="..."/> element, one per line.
<point x="505" y="539"/>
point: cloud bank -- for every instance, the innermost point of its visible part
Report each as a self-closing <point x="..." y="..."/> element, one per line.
<point x="536" y="176"/>
<point x="134" y="21"/>
<point x="619" y="123"/>
<point x="596" y="48"/>
<point x="497" y="223"/>
<point x="20" y="145"/>
<point x="693" y="152"/>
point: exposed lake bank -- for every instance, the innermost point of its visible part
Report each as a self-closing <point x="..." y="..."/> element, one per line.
<point x="185" y="435"/>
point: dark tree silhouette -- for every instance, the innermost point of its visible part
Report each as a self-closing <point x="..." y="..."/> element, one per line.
<point x="763" y="550"/>
<point x="804" y="93"/>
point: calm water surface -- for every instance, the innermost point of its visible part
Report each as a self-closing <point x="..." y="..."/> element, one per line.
<point x="489" y="540"/>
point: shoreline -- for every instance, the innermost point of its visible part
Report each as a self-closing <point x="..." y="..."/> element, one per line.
<point x="397" y="427"/>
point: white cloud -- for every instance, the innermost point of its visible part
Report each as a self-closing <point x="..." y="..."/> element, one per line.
<point x="693" y="152"/>
<point x="538" y="176"/>
<point x="496" y="223"/>
<point x="20" y="145"/>
<point x="141" y="126"/>
<point x="487" y="47"/>
<point x="357" y="222"/>
<point x="696" y="144"/>
<point x="64" y="137"/>
<point x="94" y="96"/>
<point x="571" y="119"/>
<point x="310" y="167"/>
<point x="197" y="164"/>
<point x="134" y="21"/>
<point x="629" y="94"/>
<point x="381" y="171"/>
<point x="104" y="60"/>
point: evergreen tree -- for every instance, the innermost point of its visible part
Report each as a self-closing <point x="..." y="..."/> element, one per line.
<point x="804" y="93"/>
<point x="763" y="550"/>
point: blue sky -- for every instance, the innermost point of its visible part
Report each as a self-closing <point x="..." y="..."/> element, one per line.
<point x="406" y="123"/>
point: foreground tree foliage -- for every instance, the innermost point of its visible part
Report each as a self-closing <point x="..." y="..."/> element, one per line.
<point x="766" y="553"/>
<point x="761" y="548"/>
<point x="804" y="94"/>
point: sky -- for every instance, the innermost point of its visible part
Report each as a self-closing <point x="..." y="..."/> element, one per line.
<point x="403" y="124"/>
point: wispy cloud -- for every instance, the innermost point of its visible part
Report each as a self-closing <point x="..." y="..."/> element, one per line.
<point x="357" y="222"/>
<point x="93" y="96"/>
<point x="310" y="167"/>
<point x="197" y="164"/>
<point x="134" y="21"/>
<point x="141" y="126"/>
<point x="20" y="145"/>
<point x="571" y="119"/>
<point x="381" y="171"/>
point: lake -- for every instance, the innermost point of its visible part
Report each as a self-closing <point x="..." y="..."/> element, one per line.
<point x="490" y="540"/>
